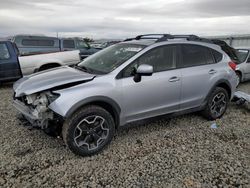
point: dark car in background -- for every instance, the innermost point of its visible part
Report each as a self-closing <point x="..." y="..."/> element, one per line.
<point x="108" y="43"/>
<point x="102" y="45"/>
<point x="79" y="44"/>
<point x="29" y="44"/>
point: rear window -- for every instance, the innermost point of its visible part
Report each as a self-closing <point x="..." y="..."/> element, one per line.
<point x="217" y="56"/>
<point x="36" y="42"/>
<point x="4" y="52"/>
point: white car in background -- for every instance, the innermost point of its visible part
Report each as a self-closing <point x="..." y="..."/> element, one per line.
<point x="35" y="63"/>
<point x="243" y="68"/>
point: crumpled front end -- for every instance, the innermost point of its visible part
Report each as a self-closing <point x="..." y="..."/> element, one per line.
<point x="35" y="109"/>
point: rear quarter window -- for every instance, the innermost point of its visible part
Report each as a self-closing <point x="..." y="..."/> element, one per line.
<point x="217" y="55"/>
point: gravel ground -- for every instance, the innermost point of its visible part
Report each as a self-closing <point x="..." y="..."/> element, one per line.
<point x="178" y="152"/>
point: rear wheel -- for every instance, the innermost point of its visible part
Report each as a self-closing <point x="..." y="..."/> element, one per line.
<point x="88" y="131"/>
<point x="217" y="104"/>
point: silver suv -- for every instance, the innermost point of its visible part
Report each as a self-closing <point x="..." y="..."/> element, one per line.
<point x="139" y="78"/>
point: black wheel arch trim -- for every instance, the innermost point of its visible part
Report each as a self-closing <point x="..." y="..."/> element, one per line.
<point x="96" y="99"/>
<point x="241" y="74"/>
<point x="222" y="81"/>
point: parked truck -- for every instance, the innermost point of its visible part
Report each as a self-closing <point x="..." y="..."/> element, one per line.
<point x="43" y="44"/>
<point x="13" y="66"/>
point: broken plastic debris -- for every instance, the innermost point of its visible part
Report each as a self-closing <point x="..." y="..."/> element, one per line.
<point x="241" y="97"/>
<point x="214" y="126"/>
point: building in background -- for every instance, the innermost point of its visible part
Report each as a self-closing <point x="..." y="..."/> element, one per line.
<point x="234" y="40"/>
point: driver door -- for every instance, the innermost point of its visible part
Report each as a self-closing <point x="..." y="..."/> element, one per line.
<point x="154" y="95"/>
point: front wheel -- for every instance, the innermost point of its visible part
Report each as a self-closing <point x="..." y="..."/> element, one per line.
<point x="89" y="130"/>
<point x="217" y="104"/>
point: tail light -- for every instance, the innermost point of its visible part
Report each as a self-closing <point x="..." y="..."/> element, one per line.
<point x="232" y="65"/>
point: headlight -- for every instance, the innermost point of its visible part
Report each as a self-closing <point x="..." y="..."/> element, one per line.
<point x="44" y="98"/>
<point x="52" y="96"/>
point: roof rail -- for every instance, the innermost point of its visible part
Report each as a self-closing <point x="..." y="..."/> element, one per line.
<point x="150" y="36"/>
<point x="166" y="37"/>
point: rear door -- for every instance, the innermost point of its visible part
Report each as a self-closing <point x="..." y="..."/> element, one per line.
<point x="9" y="66"/>
<point x="197" y="72"/>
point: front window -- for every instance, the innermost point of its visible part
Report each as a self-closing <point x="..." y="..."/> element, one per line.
<point x="162" y="58"/>
<point x="110" y="58"/>
<point x="242" y="55"/>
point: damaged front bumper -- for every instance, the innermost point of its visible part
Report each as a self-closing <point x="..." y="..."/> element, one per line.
<point x="26" y="111"/>
<point x="35" y="109"/>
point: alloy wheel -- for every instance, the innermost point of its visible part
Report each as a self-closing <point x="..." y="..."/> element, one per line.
<point x="91" y="132"/>
<point x="219" y="104"/>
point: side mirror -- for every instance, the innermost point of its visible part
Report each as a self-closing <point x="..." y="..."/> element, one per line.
<point x="143" y="70"/>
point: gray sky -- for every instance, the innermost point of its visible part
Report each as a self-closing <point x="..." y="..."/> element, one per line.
<point x="124" y="18"/>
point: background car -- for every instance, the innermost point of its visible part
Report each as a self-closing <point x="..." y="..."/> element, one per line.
<point x="13" y="66"/>
<point x="29" y="44"/>
<point x="102" y="45"/>
<point x="243" y="68"/>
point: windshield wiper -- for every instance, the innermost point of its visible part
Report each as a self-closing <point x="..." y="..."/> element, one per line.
<point x="88" y="70"/>
<point x="83" y="68"/>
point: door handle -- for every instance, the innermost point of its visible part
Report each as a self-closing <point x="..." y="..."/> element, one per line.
<point x="174" y="79"/>
<point x="212" y="71"/>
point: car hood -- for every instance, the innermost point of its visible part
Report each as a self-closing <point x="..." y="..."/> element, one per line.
<point x="54" y="78"/>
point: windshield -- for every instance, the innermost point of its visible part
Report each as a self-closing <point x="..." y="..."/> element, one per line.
<point x="242" y="55"/>
<point x="110" y="58"/>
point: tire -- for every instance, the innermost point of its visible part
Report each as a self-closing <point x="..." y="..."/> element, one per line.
<point x="211" y="110"/>
<point x="46" y="67"/>
<point x="83" y="131"/>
